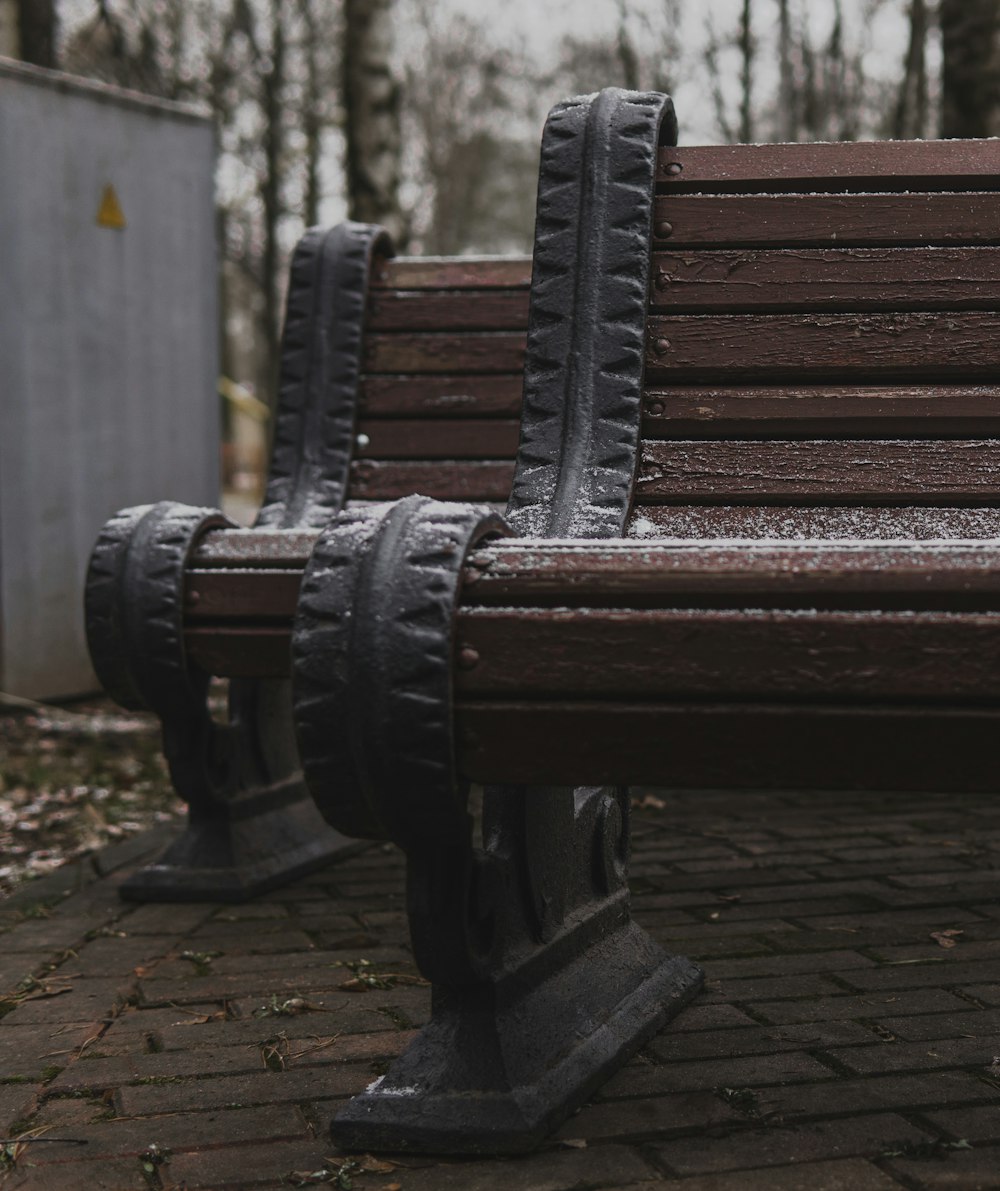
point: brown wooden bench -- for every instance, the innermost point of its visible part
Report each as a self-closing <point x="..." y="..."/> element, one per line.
<point x="396" y="375"/>
<point x="784" y="436"/>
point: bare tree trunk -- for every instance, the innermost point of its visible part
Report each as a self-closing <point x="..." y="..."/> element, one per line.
<point x="747" y="51"/>
<point x="787" y="122"/>
<point x="273" y="86"/>
<point x="372" y="117"/>
<point x="970" y="73"/>
<point x="627" y="56"/>
<point x="312" y="116"/>
<point x="36" y="22"/>
<point x="910" y="117"/>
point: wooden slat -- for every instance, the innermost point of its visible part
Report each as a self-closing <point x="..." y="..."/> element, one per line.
<point x="239" y="652"/>
<point x="461" y="272"/>
<point x="838" y="166"/>
<point x="790" y="746"/>
<point x="513" y="574"/>
<point x="719" y="280"/>
<point x="804" y="220"/>
<point x="230" y="594"/>
<point x="441" y="396"/>
<point x="438" y="438"/>
<point x="814" y="471"/>
<point x="448" y="310"/>
<point x="256" y="548"/>
<point x="829" y="347"/>
<point x="446" y="353"/>
<point x="445" y="480"/>
<point x="813" y="411"/>
<point x="727" y="654"/>
<point x="958" y="576"/>
<point x="790" y="523"/>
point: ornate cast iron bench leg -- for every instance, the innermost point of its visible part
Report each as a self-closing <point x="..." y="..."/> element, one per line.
<point x="252" y="824"/>
<point x="542" y="983"/>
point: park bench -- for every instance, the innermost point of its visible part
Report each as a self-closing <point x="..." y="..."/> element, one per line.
<point x="753" y="539"/>
<point x="396" y="375"/>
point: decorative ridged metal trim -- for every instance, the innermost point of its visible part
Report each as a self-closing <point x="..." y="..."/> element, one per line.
<point x="372" y="662"/>
<point x="133" y="606"/>
<point x="314" y="427"/>
<point x="586" y="327"/>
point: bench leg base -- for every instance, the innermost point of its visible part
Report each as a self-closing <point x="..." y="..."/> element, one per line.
<point x="241" y="849"/>
<point x="499" y="1067"/>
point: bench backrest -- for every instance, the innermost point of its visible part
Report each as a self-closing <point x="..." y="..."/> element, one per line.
<point x="440" y="387"/>
<point x="822" y="352"/>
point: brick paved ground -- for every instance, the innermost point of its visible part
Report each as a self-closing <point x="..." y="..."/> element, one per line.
<point x="839" y="1045"/>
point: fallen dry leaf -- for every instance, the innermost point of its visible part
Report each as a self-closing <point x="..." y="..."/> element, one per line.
<point x="946" y="938"/>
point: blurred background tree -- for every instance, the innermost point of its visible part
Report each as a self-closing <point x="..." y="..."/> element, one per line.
<point x="425" y="115"/>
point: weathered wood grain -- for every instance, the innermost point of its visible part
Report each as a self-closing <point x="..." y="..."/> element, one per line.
<point x="815" y="411"/>
<point x="239" y="651"/>
<point x="956" y="576"/>
<point x="437" y="438"/>
<point x="448" y="310"/>
<point x="863" y="471"/>
<point x="736" y="746"/>
<point x="411" y="396"/>
<point x="792" y="523"/>
<point x="446" y="353"/>
<point x="442" y="480"/>
<point x="441" y="272"/>
<point x="727" y="654"/>
<point x="842" y="220"/>
<point x="836" y="166"/>
<point x="830" y="347"/>
<point x="806" y="279"/>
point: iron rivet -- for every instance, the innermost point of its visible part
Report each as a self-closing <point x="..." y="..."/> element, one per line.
<point x="673" y="167"/>
<point x="664" y="229"/>
<point x="662" y="345"/>
<point x="468" y="658"/>
<point x="656" y="408"/>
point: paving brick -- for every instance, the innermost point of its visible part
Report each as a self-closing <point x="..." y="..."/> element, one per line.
<point x="790" y="965"/>
<point x="935" y="972"/>
<point x="267" y="936"/>
<point x="758" y="1071"/>
<point x="96" y="1074"/>
<point x="979" y="1125"/>
<point x="914" y="1056"/>
<point x="104" y="1174"/>
<point x="17" y="1101"/>
<point x="849" y="1174"/>
<point x="600" y="1166"/>
<point x="244" y="1091"/>
<point x="25" y="1051"/>
<point x="198" y="1131"/>
<point x="766" y="988"/>
<point x="882" y="1093"/>
<point x="870" y="1005"/>
<point x="87" y="999"/>
<point x="710" y="1017"/>
<point x="866" y="1136"/>
<point x="260" y="985"/>
<point x="972" y="1023"/>
<point x="961" y="1170"/>
<point x="40" y="936"/>
<point x="670" y="1047"/>
<point x="247" y="1165"/>
<point x="115" y="954"/>
<point x="649" y="1118"/>
<point x="177" y="919"/>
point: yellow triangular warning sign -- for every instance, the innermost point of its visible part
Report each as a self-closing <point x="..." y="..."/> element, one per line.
<point x="110" y="213"/>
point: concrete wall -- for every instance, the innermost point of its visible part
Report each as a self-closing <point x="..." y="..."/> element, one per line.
<point x="108" y="345"/>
